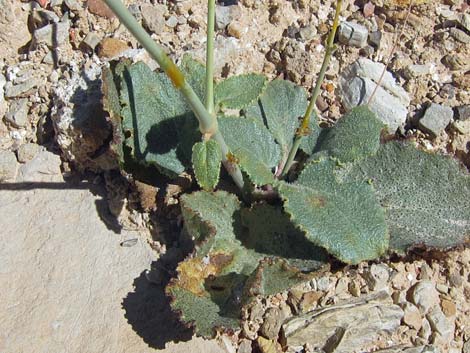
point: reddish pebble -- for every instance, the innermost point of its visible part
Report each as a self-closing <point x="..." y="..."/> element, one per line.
<point x="43" y="3"/>
<point x="368" y="10"/>
<point x="99" y="8"/>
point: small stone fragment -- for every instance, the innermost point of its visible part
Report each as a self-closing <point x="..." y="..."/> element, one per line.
<point x="8" y="165"/>
<point x="353" y="34"/>
<point x="309" y="301"/>
<point x="27" y="152"/>
<point x="224" y="15"/>
<point x="235" y="29"/>
<point x="377" y="276"/>
<point x="375" y="38"/>
<point x="111" y="48"/>
<point x="341" y="286"/>
<point x="355" y="288"/>
<point x="307" y="33"/>
<point x="272" y="323"/>
<point x="17" y="114"/>
<point x="323" y="283"/>
<point x="442" y="288"/>
<point x="268" y="346"/>
<point x="53" y="35"/>
<point x="436" y="119"/>
<point x="459" y="35"/>
<point x="244" y="346"/>
<point x="412" y="316"/>
<point x="73" y="5"/>
<point x="466" y="346"/>
<point x="413" y="71"/>
<point x="448" y="307"/>
<point x="171" y="22"/>
<point x="99" y="8"/>
<point x="153" y="17"/>
<point x="91" y="40"/>
<point x="425" y="331"/>
<point x="440" y="324"/>
<point x="462" y="112"/>
<point x="424" y="295"/>
<point x="464" y="21"/>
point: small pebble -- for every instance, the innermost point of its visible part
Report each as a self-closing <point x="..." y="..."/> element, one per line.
<point x="27" y="152"/>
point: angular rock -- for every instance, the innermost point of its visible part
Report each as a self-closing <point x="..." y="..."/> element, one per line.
<point x="14" y="33"/>
<point x="17" y="114"/>
<point x="92" y="40"/>
<point x="377" y="276"/>
<point x="244" y="346"/>
<point x="27" y="152"/>
<point x="346" y="327"/>
<point x="44" y="167"/>
<point x="99" y="8"/>
<point x="359" y="80"/>
<point x="153" y="17"/>
<point x="448" y="307"/>
<point x="307" y="33"/>
<point x="53" y="35"/>
<point x="412" y="316"/>
<point x="272" y="323"/>
<point x="21" y="89"/>
<point x="415" y="70"/>
<point x="464" y="21"/>
<point x="171" y="22"/>
<point x="462" y="112"/>
<point x="224" y="15"/>
<point x="111" y="47"/>
<point x="424" y="295"/>
<point x="353" y="34"/>
<point x="440" y="324"/>
<point x="73" y="5"/>
<point x="459" y="35"/>
<point x="8" y="165"/>
<point x="435" y="120"/>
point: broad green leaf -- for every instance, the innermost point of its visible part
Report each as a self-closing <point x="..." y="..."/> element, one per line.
<point x="248" y="134"/>
<point x="154" y="113"/>
<point x="355" y="136"/>
<point x="258" y="172"/>
<point x="195" y="74"/>
<point x="343" y="217"/>
<point x="425" y="196"/>
<point x="206" y="159"/>
<point x="238" y="92"/>
<point x="280" y="108"/>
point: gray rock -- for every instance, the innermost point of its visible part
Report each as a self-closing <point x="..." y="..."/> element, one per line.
<point x="8" y="166"/>
<point x="435" y="120"/>
<point x="425" y="331"/>
<point x="244" y="346"/>
<point x="440" y="324"/>
<point x="459" y="35"/>
<point x="224" y="15"/>
<point x="73" y="5"/>
<point x="424" y="295"/>
<point x="44" y="167"/>
<point x="21" y="89"/>
<point x="464" y="21"/>
<point x="272" y="323"/>
<point x="462" y="112"/>
<point x="353" y="34"/>
<point x="134" y="9"/>
<point x="418" y="349"/>
<point x="347" y="327"/>
<point x="17" y="115"/>
<point x="153" y="17"/>
<point x="375" y="38"/>
<point x="377" y="276"/>
<point x="307" y="33"/>
<point x="323" y="283"/>
<point x="415" y="70"/>
<point x="53" y="35"/>
<point x="27" y="152"/>
<point x="466" y="347"/>
<point x="359" y="80"/>
<point x="412" y="316"/>
<point x="92" y="40"/>
<point x="171" y="22"/>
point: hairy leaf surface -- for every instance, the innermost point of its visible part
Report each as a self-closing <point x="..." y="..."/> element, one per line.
<point x="425" y="196"/>
<point x="238" y="92"/>
<point x="206" y="159"/>
<point x="343" y="217"/>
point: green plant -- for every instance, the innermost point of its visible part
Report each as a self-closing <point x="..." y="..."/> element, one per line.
<point x="354" y="198"/>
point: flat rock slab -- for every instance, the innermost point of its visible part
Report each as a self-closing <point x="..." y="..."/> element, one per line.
<point x="64" y="275"/>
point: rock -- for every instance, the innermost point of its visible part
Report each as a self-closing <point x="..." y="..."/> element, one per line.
<point x="8" y="166"/>
<point x="348" y="327"/>
<point x="358" y="81"/>
<point x="375" y="38"/>
<point x="455" y="62"/>
<point x="307" y="33"/>
<point x="153" y="17"/>
<point x="91" y="40"/>
<point x="464" y="21"/>
<point x="235" y="29"/>
<point x="353" y="34"/>
<point x="268" y="346"/>
<point x="310" y="300"/>
<point x="3" y="103"/>
<point x="440" y="324"/>
<point x="53" y="35"/>
<point x="27" y="152"/>
<point x="466" y="347"/>
<point x="73" y="5"/>
<point x="14" y="32"/>
<point x="462" y="112"/>
<point x="424" y="295"/>
<point x="134" y="9"/>
<point x="368" y="9"/>
<point x="425" y="331"/>
<point x="17" y="115"/>
<point x="435" y="120"/>
<point x="244" y="346"/>
<point x="341" y="286"/>
<point x="459" y="35"/>
<point x="355" y="288"/>
<point x="99" y="8"/>
<point x="412" y="316"/>
<point x="448" y="308"/>
<point x="171" y="22"/>
<point x="272" y="323"/>
<point x="224" y="15"/>
<point x="415" y="70"/>
<point x="22" y="89"/>
<point x="377" y="276"/>
<point x="111" y="48"/>
<point x="442" y="288"/>
<point x="44" y="167"/>
<point x="323" y="283"/>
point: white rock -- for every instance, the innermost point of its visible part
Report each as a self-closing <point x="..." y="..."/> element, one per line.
<point x="8" y="166"/>
<point x="377" y="276"/>
<point x="27" y="152"/>
<point x="53" y="35"/>
<point x="17" y="114"/>
<point x="424" y="295"/>
<point x="440" y="324"/>
<point x="354" y="34"/>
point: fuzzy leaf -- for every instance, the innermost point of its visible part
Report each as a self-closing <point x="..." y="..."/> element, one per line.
<point x="425" y="196"/>
<point x="238" y="92"/>
<point x="279" y="108"/>
<point x="343" y="217"/>
<point x="258" y="172"/>
<point x="195" y="74"/>
<point x="206" y="163"/>
<point x="355" y="136"/>
<point x="249" y="135"/>
<point x="153" y="114"/>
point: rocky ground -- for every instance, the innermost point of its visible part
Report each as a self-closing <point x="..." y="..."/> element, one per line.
<point x="60" y="250"/>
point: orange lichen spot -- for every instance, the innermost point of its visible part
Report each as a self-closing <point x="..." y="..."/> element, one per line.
<point x="175" y="75"/>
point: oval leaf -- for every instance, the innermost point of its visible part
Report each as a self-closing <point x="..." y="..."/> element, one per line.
<point x="206" y="163"/>
<point x="238" y="92"/>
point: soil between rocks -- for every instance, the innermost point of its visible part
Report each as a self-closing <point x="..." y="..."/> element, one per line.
<point x="73" y="272"/>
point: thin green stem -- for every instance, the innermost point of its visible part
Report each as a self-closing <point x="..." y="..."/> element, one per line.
<point x="210" y="57"/>
<point x="304" y="129"/>
<point x="207" y="122"/>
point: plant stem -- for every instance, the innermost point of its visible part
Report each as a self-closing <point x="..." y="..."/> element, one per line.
<point x="207" y="122"/>
<point x="210" y="57"/>
<point x="304" y="129"/>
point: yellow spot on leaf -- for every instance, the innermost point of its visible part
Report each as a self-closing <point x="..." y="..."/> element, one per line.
<point x="175" y="75"/>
